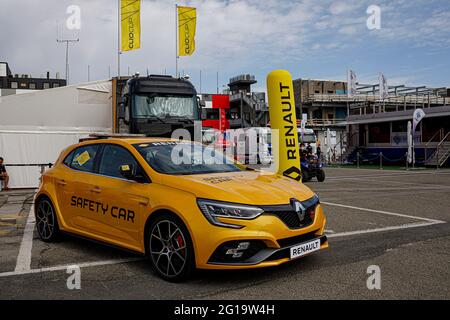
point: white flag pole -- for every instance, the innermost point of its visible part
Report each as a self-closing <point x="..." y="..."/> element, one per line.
<point x="176" y="41"/>
<point x="118" y="38"/>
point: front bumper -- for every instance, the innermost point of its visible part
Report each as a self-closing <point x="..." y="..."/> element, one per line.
<point x="273" y="236"/>
<point x="263" y="254"/>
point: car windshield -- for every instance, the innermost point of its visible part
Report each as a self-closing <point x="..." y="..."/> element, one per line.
<point x="185" y="158"/>
<point x="165" y="106"/>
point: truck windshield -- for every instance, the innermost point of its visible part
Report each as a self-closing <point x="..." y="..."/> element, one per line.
<point x="165" y="106"/>
<point x="185" y="158"/>
<point x="307" y="138"/>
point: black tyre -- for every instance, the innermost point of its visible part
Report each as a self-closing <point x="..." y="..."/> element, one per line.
<point x="321" y="176"/>
<point x="305" y="176"/>
<point x="170" y="248"/>
<point x="46" y="221"/>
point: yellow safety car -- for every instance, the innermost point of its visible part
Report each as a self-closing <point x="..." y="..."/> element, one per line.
<point x="183" y="204"/>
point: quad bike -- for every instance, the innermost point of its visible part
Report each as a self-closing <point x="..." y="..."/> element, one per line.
<point x="312" y="167"/>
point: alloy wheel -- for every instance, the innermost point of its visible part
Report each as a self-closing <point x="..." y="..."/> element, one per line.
<point x="168" y="249"/>
<point x="45" y="220"/>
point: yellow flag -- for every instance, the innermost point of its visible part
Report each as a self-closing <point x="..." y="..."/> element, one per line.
<point x="130" y="15"/>
<point x="187" y="21"/>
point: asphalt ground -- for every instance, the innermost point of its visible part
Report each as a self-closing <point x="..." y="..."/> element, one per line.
<point x="396" y="220"/>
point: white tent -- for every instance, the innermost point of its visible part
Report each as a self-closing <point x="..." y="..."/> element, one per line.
<point x="36" y="126"/>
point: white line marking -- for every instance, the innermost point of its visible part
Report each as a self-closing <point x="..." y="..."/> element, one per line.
<point x="25" y="249"/>
<point x="384" y="174"/>
<point x="24" y="257"/>
<point x="64" y="267"/>
<point x="428" y="222"/>
<point x="400" y="227"/>
<point x="384" y="189"/>
<point x="384" y="212"/>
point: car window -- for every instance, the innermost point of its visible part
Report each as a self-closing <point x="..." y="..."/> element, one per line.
<point x="84" y="158"/>
<point x="68" y="160"/>
<point x="113" y="158"/>
<point x="185" y="158"/>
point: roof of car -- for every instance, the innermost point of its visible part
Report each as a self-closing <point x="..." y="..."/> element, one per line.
<point x="130" y="141"/>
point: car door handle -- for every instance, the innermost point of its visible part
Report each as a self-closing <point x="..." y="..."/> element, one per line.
<point x="96" y="190"/>
<point x="61" y="182"/>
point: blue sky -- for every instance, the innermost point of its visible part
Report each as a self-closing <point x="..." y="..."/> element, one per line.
<point x="311" y="39"/>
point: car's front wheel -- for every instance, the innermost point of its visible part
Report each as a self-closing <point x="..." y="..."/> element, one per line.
<point x="46" y="221"/>
<point x="170" y="248"/>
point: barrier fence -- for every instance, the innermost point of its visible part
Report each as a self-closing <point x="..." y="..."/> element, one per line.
<point x="380" y="159"/>
<point x="16" y="176"/>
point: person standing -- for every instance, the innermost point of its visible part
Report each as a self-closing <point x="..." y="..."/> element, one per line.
<point x="4" y="175"/>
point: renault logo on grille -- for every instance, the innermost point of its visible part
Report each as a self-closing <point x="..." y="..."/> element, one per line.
<point x="299" y="209"/>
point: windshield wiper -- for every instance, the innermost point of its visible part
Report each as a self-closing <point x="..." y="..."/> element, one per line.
<point x="157" y="118"/>
<point x="183" y="118"/>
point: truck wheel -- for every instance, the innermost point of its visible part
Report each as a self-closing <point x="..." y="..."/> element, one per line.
<point x="170" y="248"/>
<point x="321" y="176"/>
<point x="46" y="221"/>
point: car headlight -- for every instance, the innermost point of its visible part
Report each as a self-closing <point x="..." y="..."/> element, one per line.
<point x="214" y="209"/>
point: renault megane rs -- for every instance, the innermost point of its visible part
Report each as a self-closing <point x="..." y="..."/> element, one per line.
<point x="182" y="204"/>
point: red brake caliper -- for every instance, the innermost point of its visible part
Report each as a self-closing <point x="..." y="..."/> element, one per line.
<point x="180" y="243"/>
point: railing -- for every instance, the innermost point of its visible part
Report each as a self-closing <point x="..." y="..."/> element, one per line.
<point x="417" y="99"/>
<point x="440" y="132"/>
<point x="323" y="122"/>
<point x="440" y="161"/>
<point x="242" y="77"/>
<point x="42" y="165"/>
<point x="332" y="151"/>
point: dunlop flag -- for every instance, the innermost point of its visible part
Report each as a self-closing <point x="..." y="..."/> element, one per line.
<point x="130" y="15"/>
<point x="187" y="21"/>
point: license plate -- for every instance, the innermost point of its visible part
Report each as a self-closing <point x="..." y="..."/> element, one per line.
<point x="305" y="248"/>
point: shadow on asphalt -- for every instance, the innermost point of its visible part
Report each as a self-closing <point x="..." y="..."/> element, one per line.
<point x="104" y="251"/>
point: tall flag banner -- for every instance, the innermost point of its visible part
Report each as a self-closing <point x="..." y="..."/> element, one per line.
<point x="130" y="16"/>
<point x="384" y="89"/>
<point x="410" y="143"/>
<point x="351" y="83"/>
<point x="419" y="114"/>
<point x="187" y="24"/>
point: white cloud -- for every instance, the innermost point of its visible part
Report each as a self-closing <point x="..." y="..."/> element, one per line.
<point x="234" y="36"/>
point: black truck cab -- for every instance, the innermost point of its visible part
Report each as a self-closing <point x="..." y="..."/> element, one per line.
<point x="156" y="105"/>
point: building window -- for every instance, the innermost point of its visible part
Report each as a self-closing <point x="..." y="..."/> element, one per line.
<point x="46" y="85"/>
<point x="14" y="85"/>
<point x="211" y="114"/>
<point x="380" y="132"/>
<point x="55" y="85"/>
<point x="23" y="85"/>
<point x="32" y="85"/>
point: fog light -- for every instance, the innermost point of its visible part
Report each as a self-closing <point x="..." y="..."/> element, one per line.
<point x="237" y="252"/>
<point x="243" y="245"/>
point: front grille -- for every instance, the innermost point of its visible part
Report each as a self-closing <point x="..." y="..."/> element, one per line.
<point x="290" y="218"/>
<point x="286" y="242"/>
<point x="286" y="252"/>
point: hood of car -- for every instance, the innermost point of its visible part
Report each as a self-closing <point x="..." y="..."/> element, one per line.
<point x="246" y="187"/>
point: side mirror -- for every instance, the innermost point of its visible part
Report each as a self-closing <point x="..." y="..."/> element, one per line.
<point x="123" y="109"/>
<point x="127" y="171"/>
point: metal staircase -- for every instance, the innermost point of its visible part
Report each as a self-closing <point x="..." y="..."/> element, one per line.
<point x="441" y="154"/>
<point x="335" y="156"/>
